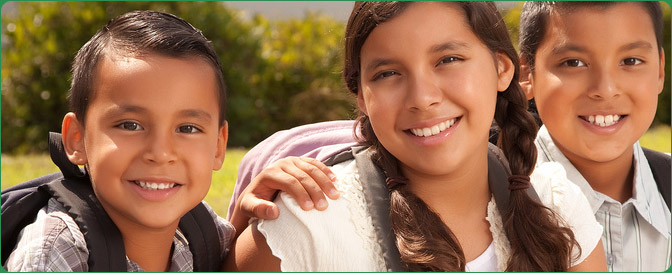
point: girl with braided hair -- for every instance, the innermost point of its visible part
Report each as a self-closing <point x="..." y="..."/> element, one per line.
<point x="429" y="77"/>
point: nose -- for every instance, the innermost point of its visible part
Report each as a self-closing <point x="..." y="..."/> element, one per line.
<point x="423" y="93"/>
<point x="604" y="85"/>
<point x="160" y="149"/>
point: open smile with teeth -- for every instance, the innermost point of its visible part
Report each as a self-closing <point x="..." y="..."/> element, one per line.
<point x="154" y="186"/>
<point x="433" y="130"/>
<point x="603" y="120"/>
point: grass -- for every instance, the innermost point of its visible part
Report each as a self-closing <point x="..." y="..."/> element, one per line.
<point x="16" y="169"/>
<point x="657" y="138"/>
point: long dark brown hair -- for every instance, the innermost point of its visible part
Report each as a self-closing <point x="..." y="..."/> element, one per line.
<point x="539" y="242"/>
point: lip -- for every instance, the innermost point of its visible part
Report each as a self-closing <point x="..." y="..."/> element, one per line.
<point x="154" y="195"/>
<point x="435" y="139"/>
<point x="604" y="131"/>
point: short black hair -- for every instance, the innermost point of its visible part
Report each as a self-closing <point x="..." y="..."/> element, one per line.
<point x="138" y="33"/>
<point x="534" y="18"/>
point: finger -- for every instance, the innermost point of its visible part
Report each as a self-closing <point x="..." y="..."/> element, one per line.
<point x="308" y="183"/>
<point x="288" y="182"/>
<point x="260" y="208"/>
<point x="321" y="174"/>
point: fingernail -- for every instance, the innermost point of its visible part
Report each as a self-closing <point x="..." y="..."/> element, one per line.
<point x="307" y="205"/>
<point x="334" y="193"/>
<point x="332" y="177"/>
<point x="322" y="204"/>
<point x="269" y="212"/>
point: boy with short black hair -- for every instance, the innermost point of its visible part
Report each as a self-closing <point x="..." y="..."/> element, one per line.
<point x="595" y="70"/>
<point x="148" y="123"/>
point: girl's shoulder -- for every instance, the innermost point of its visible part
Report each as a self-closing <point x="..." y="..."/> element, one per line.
<point x="340" y="238"/>
<point x="566" y="199"/>
<point x="552" y="185"/>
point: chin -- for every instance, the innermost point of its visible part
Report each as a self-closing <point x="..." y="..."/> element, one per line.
<point x="605" y="154"/>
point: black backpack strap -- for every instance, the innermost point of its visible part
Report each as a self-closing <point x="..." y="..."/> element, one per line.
<point x="199" y="228"/>
<point x="20" y="213"/>
<point x="103" y="239"/>
<point x="378" y="200"/>
<point x="660" y="167"/>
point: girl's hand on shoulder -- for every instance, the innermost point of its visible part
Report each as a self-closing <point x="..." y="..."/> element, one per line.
<point x="305" y="179"/>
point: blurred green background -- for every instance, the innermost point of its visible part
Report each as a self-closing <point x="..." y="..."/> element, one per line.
<point x="280" y="73"/>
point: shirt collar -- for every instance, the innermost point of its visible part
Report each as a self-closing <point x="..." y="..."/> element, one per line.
<point x="547" y="151"/>
<point x="645" y="196"/>
<point x="646" y="199"/>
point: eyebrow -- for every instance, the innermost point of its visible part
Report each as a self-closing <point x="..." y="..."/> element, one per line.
<point x="188" y="113"/>
<point x="453" y="45"/>
<point x="123" y="109"/>
<point x="566" y="47"/>
<point x="378" y="62"/>
<point x="636" y="45"/>
<point x="195" y="113"/>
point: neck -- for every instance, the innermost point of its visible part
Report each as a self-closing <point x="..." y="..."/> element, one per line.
<point x="613" y="178"/>
<point x="461" y="200"/>
<point x="148" y="247"/>
<point x="460" y="193"/>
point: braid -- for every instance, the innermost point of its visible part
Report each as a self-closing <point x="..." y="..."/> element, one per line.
<point x="425" y="243"/>
<point x="539" y="241"/>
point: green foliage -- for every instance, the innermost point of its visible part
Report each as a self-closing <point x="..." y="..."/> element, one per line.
<point x="663" y="111"/>
<point x="279" y="73"/>
<point x="275" y="71"/>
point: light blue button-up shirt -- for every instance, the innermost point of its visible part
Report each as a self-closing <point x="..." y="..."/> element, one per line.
<point x="636" y="233"/>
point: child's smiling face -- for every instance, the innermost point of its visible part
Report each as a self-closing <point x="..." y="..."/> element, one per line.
<point x="597" y="76"/>
<point x="152" y="137"/>
<point x="429" y="87"/>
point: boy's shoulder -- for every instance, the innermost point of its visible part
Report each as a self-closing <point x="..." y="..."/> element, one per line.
<point x="53" y="242"/>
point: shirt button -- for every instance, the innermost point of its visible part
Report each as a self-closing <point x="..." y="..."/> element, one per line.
<point x="610" y="259"/>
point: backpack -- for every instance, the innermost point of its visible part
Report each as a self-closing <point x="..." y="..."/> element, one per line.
<point x="378" y="199"/>
<point x="660" y="167"/>
<point x="72" y="188"/>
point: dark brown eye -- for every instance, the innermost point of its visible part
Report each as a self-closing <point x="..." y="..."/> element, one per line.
<point x="631" y="61"/>
<point x="130" y="126"/>
<point x="188" y="129"/>
<point x="574" y="63"/>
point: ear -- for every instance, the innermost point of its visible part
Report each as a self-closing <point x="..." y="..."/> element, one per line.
<point x="360" y="101"/>
<point x="505" y="71"/>
<point x="222" y="139"/>
<point x="526" y="79"/>
<point x="72" y="133"/>
<point x="661" y="72"/>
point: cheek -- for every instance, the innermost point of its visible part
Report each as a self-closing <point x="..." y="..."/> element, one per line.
<point x="552" y="93"/>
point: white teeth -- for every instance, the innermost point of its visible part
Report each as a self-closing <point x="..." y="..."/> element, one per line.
<point x="599" y="119"/>
<point x="604" y="121"/>
<point x="154" y="186"/>
<point x="427" y="132"/>
<point x="434" y="130"/>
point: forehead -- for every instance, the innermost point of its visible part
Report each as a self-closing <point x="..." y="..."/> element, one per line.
<point x="154" y="79"/>
<point x="598" y="26"/>
<point x="421" y="24"/>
